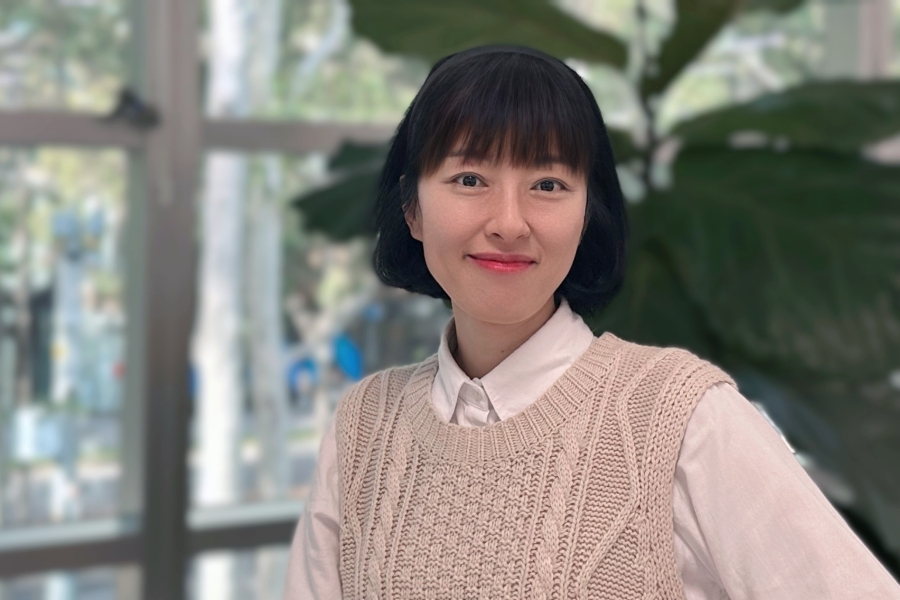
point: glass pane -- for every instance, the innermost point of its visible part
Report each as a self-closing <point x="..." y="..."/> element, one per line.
<point x="102" y="583"/>
<point x="300" y="60"/>
<point x="256" y="574"/>
<point x="62" y="323"/>
<point x="56" y="54"/>
<point x="286" y="321"/>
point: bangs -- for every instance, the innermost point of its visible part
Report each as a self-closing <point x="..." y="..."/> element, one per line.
<point x="516" y="108"/>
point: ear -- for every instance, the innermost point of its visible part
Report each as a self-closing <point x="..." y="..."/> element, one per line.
<point x="413" y="218"/>
<point x="414" y="221"/>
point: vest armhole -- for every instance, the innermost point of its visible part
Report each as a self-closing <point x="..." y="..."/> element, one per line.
<point x="694" y="375"/>
<point x="355" y="415"/>
<point x="347" y="419"/>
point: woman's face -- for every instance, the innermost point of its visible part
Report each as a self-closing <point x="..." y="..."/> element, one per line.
<point x="467" y="210"/>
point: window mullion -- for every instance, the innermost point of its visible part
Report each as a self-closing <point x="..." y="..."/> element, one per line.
<point x="170" y="80"/>
<point x="289" y="137"/>
<point x="54" y="128"/>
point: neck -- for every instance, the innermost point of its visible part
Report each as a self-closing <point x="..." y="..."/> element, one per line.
<point x="482" y="345"/>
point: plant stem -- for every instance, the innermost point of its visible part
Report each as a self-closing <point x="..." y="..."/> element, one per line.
<point x="648" y="110"/>
<point x="652" y="142"/>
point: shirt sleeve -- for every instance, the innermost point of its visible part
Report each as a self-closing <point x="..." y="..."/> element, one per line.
<point x="752" y="523"/>
<point x="313" y="561"/>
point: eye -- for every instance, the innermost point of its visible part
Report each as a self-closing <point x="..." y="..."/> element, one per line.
<point x="467" y="180"/>
<point x="547" y="185"/>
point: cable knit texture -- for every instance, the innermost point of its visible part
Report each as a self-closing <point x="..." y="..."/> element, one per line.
<point x="569" y="498"/>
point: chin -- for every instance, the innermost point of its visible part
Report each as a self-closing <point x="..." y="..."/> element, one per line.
<point x="500" y="311"/>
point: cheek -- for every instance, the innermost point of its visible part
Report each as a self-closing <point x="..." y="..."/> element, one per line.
<point x="443" y="240"/>
<point x="445" y="228"/>
<point x="564" y="231"/>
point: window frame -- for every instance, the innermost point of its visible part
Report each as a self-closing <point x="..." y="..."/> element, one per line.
<point x="156" y="529"/>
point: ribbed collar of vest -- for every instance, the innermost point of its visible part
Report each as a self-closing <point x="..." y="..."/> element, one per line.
<point x="514" y="383"/>
<point x="450" y="442"/>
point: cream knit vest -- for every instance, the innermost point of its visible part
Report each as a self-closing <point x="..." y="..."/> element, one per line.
<point x="570" y="498"/>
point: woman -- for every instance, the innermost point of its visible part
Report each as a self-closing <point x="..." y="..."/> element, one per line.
<point x="528" y="458"/>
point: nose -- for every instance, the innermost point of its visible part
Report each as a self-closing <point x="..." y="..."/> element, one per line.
<point x="507" y="218"/>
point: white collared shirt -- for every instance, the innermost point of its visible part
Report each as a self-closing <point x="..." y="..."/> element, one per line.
<point x="748" y="520"/>
<point x="517" y="381"/>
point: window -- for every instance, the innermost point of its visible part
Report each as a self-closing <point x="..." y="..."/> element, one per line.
<point x="123" y="238"/>
<point x="63" y="219"/>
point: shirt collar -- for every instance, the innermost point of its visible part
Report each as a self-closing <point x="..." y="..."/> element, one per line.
<point x="516" y="382"/>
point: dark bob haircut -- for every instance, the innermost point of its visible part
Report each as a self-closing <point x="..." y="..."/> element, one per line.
<point x="524" y="105"/>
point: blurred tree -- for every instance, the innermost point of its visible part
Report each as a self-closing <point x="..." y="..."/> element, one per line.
<point x="762" y="237"/>
<point x="37" y="185"/>
<point x="52" y="54"/>
<point x="62" y="54"/>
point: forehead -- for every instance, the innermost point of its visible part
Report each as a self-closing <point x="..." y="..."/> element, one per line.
<point x="509" y="149"/>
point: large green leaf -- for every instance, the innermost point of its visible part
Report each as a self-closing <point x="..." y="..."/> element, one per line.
<point x="622" y="144"/>
<point x="698" y="21"/>
<point x="352" y="156"/>
<point x="344" y="210"/>
<point x="433" y="30"/>
<point x="781" y="7"/>
<point x="836" y="115"/>
<point x="653" y="307"/>
<point x="794" y="256"/>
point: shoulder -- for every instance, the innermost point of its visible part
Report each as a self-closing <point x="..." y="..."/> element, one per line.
<point x="636" y="350"/>
<point x="374" y="382"/>
<point x="673" y="368"/>
<point x="362" y="410"/>
<point x="372" y="394"/>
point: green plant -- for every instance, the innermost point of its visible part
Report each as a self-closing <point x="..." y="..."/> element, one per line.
<point x="780" y="261"/>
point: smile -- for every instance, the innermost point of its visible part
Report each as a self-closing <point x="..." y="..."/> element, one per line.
<point x="501" y="267"/>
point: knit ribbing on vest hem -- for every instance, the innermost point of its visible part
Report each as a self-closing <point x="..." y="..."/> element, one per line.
<point x="505" y="439"/>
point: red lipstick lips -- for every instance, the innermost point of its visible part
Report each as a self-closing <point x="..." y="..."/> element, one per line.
<point x="502" y="263"/>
